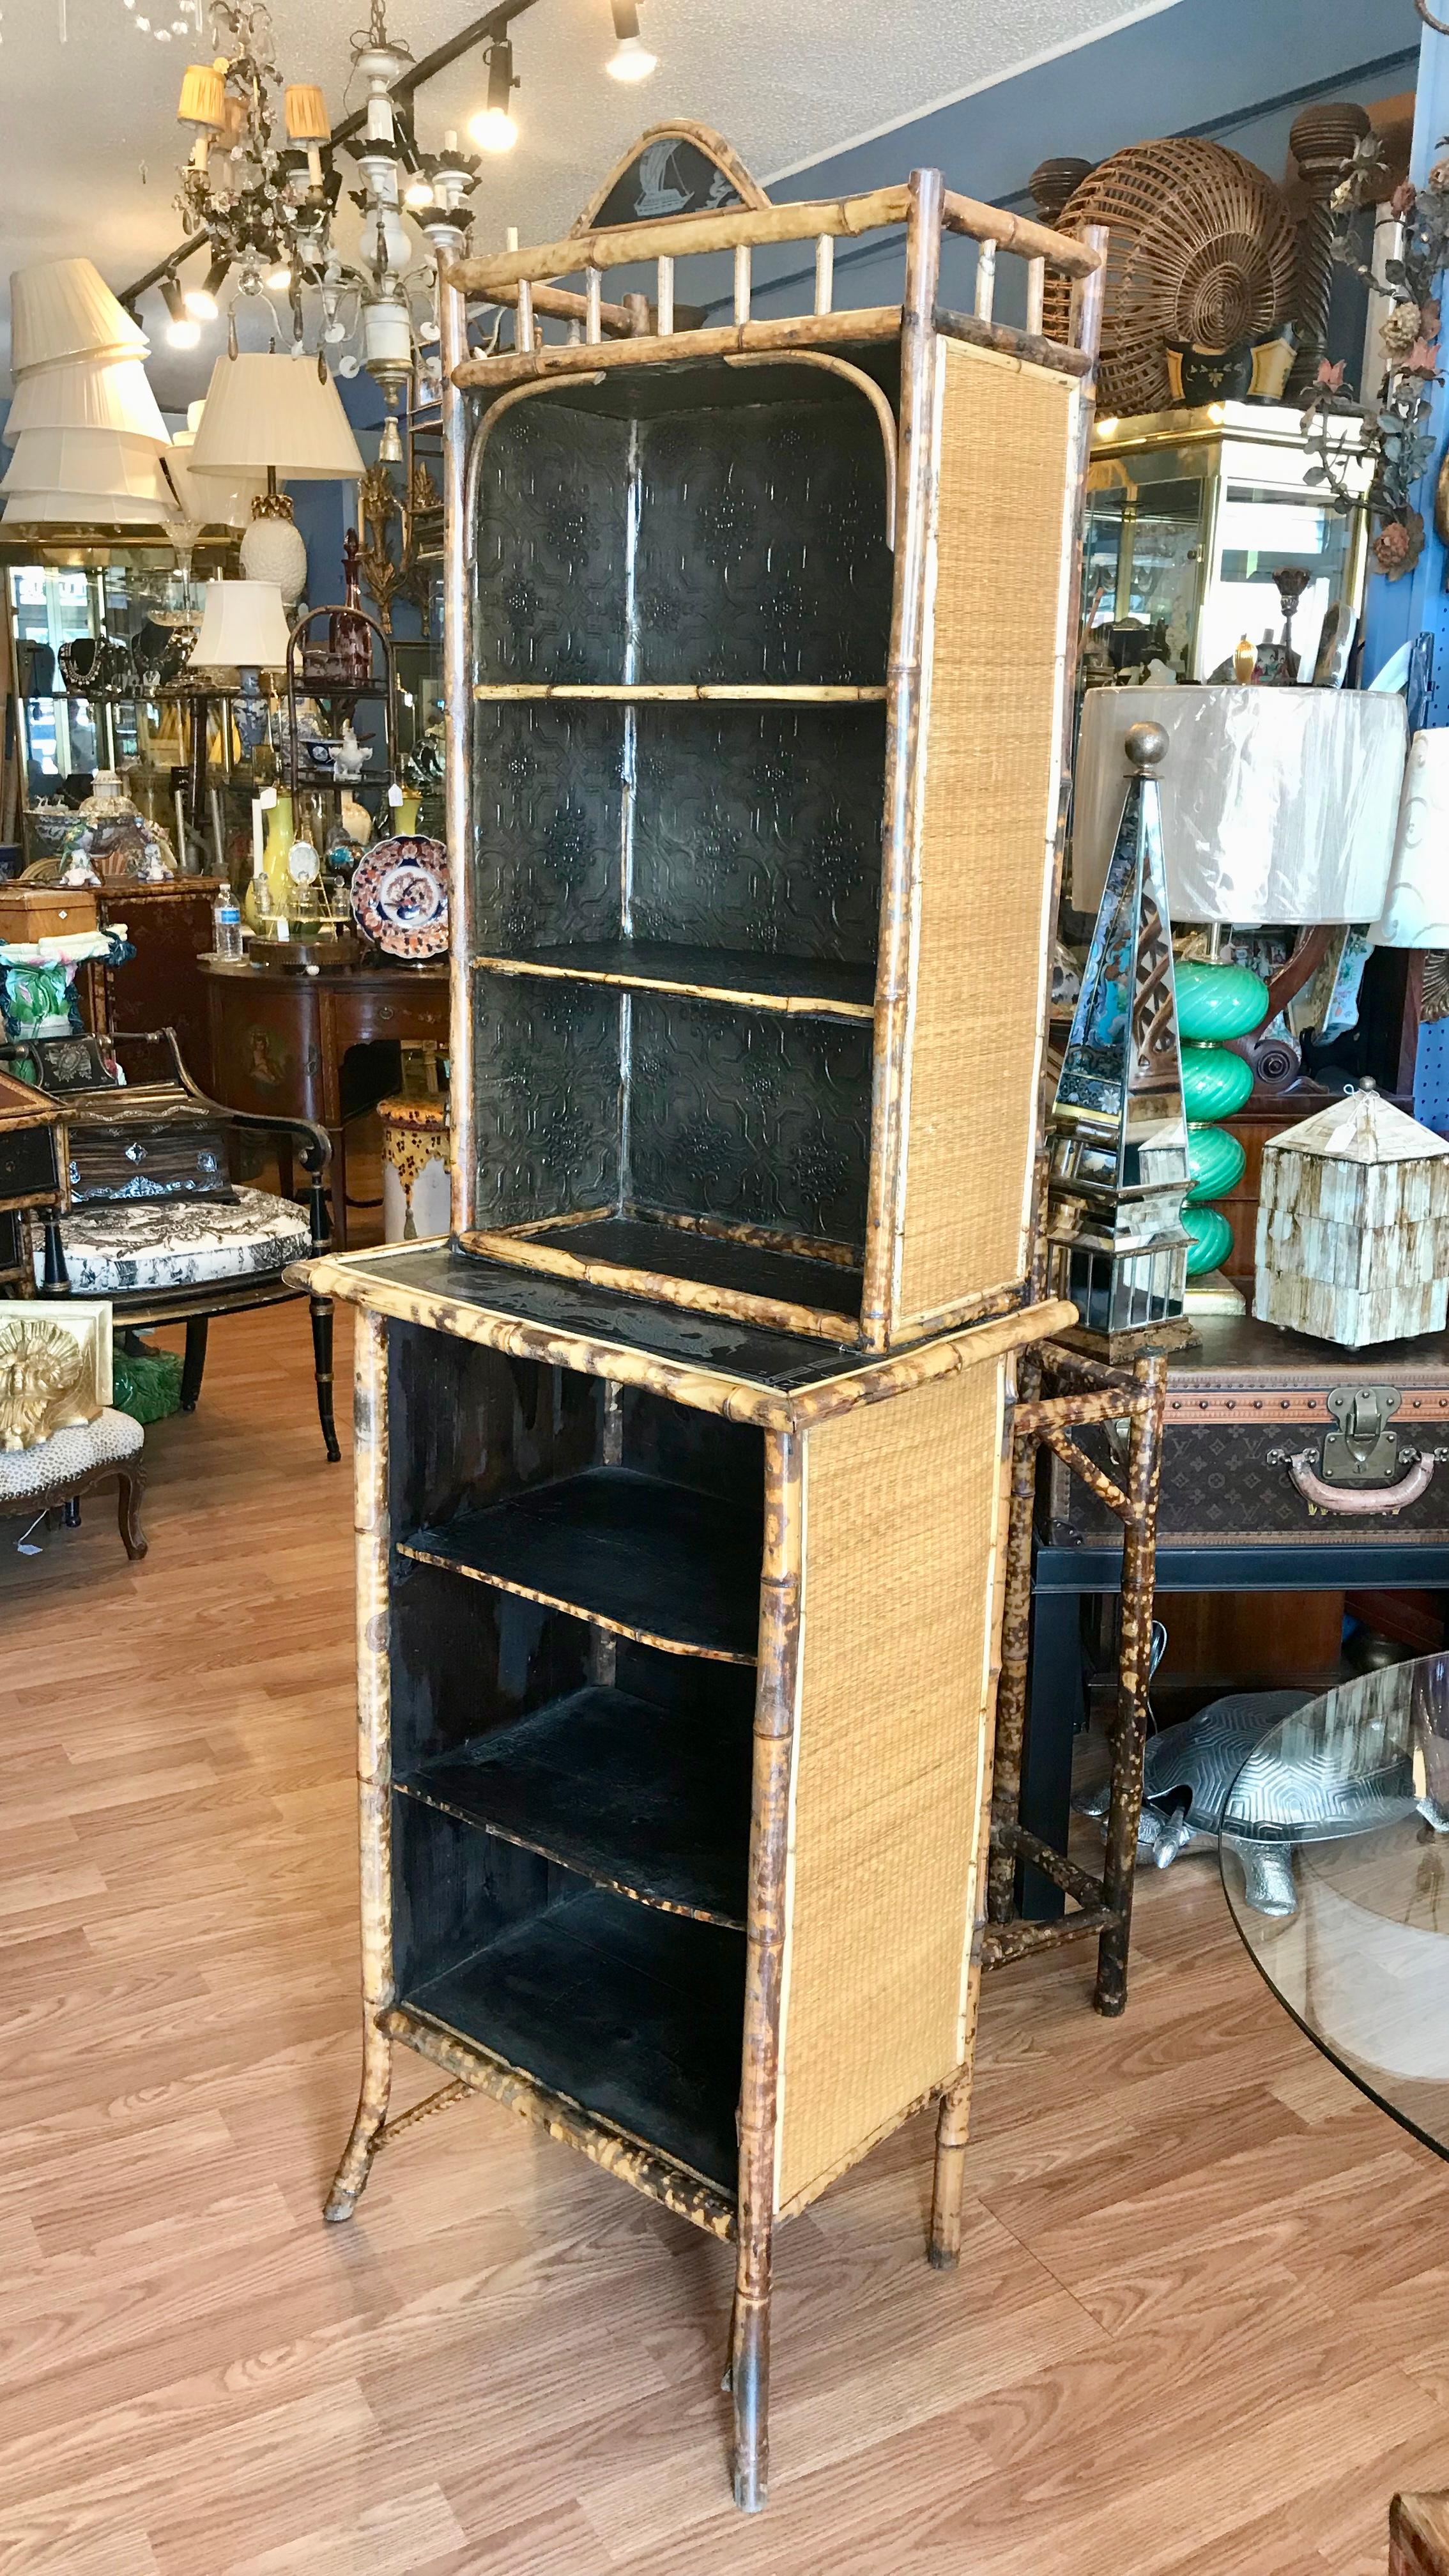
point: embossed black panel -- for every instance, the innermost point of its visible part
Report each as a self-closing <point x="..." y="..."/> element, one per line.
<point x="760" y="828"/>
<point x="546" y="1103"/>
<point x="750" y="1117"/>
<point x="547" y="827"/>
<point x="761" y="550"/>
<point x="549" y="545"/>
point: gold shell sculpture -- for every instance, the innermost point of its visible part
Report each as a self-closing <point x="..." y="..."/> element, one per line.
<point x="41" y="1392"/>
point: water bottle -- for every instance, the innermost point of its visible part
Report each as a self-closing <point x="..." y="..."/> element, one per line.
<point x="226" y="932"/>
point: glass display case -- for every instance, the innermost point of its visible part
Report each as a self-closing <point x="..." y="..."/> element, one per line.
<point x="1191" y="515"/>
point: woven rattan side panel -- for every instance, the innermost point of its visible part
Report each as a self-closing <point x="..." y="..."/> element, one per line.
<point x="991" y="749"/>
<point x="898" y="1643"/>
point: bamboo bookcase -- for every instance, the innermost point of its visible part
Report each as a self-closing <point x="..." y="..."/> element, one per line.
<point x="761" y="693"/>
<point x="682" y="1468"/>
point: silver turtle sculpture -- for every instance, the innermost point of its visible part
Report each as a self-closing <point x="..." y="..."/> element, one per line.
<point x="1190" y="1770"/>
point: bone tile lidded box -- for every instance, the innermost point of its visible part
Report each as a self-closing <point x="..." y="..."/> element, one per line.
<point x="1353" y="1226"/>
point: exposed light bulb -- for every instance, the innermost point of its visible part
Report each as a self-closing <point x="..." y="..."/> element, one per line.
<point x="494" y="130"/>
<point x="631" y="59"/>
<point x="181" y="331"/>
<point x="418" y="192"/>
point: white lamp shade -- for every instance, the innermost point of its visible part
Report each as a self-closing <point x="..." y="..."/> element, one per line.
<point x="87" y="460"/>
<point x="263" y="411"/>
<point x="211" y="500"/>
<point x="1416" y="907"/>
<point x="63" y="308"/>
<point x="87" y="393"/>
<point x="243" y="625"/>
<point x="82" y="510"/>
<point x="1278" y="804"/>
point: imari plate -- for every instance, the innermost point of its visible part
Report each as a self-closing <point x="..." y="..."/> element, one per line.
<point x="400" y="896"/>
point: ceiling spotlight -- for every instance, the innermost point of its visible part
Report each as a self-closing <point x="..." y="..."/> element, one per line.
<point x="181" y="332"/>
<point x="419" y="191"/>
<point x="200" y="301"/>
<point x="493" y="129"/>
<point x="280" y="279"/>
<point x="630" y="60"/>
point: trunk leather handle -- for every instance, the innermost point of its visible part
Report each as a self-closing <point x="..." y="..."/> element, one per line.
<point x="1323" y="1497"/>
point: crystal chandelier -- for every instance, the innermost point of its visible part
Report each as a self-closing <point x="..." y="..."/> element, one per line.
<point x="262" y="187"/>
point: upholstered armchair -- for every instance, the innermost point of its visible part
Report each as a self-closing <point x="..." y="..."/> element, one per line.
<point x="156" y="1221"/>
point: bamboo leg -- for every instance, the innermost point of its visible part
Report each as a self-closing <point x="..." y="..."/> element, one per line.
<point x="1129" y="1734"/>
<point x="953" y="2128"/>
<point x="750" y="2368"/>
<point x="374" y="1758"/>
<point x="1015" y="1641"/>
<point x="774" y="1753"/>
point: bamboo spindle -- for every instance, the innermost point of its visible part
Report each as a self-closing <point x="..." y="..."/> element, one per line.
<point x="526" y="338"/>
<point x="985" y="300"/>
<point x="1035" y="294"/>
<point x="824" y="272"/>
<point x="593" y="304"/>
<point x="742" y="281"/>
<point x="664" y="298"/>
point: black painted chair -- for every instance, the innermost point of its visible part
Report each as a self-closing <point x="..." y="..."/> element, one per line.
<point x="173" y="1240"/>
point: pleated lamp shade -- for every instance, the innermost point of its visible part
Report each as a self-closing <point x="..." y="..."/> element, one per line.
<point x="87" y="393"/>
<point x="243" y="626"/>
<point x="83" y="510"/>
<point x="272" y="411"/>
<point x="105" y="461"/>
<point x="211" y="500"/>
<point x="63" y="308"/>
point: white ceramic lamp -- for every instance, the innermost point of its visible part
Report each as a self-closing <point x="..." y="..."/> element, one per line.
<point x="273" y="417"/>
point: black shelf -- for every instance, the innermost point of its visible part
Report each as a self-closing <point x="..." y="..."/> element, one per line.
<point x="808" y="986"/>
<point x="718" y="1261"/>
<point x="652" y="1559"/>
<point x="635" y="2015"/>
<point x="651" y="1802"/>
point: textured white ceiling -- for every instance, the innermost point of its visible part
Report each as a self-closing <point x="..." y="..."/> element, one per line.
<point x="89" y="142"/>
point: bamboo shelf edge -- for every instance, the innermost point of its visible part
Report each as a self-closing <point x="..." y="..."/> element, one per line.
<point x="639" y="980"/>
<point x="555" y="1847"/>
<point x="878" y="1376"/>
<point x="679" y="348"/>
<point x="654" y="1637"/>
<point x="666" y="1288"/>
<point x="687" y="2194"/>
<point x="804" y="693"/>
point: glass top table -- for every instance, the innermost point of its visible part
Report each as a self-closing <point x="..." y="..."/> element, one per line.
<point x="1335" y="1863"/>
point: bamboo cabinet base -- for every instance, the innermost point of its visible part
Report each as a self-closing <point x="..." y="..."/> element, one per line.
<point x="674" y="1744"/>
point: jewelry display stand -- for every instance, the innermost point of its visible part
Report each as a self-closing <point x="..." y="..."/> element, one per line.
<point x="682" y="1468"/>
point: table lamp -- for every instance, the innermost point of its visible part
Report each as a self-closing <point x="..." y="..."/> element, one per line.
<point x="243" y="628"/>
<point x="267" y="416"/>
<point x="1278" y="807"/>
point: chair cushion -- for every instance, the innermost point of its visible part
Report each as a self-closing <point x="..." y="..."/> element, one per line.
<point x="67" y="1456"/>
<point x="179" y="1243"/>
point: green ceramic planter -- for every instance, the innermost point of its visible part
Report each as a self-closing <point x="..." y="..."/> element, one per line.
<point x="1215" y="1160"/>
<point x="1212" y="1239"/>
<point x="1217" y="1002"/>
<point x="1214" y="1082"/>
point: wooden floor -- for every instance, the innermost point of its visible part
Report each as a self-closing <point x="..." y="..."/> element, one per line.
<point x="1201" y="2324"/>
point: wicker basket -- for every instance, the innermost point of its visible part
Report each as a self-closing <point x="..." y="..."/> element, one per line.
<point x="1202" y="250"/>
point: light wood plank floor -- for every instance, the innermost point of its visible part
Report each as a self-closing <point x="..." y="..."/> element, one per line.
<point x="1201" y="2324"/>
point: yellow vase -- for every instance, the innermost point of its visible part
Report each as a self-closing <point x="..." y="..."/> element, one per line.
<point x="280" y="836"/>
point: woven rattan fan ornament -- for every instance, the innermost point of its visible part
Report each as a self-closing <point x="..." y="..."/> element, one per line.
<point x="1202" y="250"/>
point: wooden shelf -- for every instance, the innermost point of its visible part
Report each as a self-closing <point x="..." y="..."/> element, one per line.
<point x="635" y="2015"/>
<point x="653" y="1803"/>
<point x="637" y="1554"/>
<point x="798" y="693"/>
<point x="801" y="985"/>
